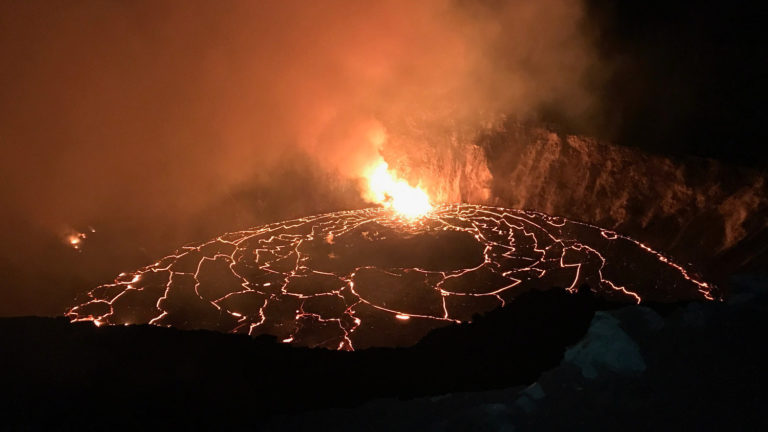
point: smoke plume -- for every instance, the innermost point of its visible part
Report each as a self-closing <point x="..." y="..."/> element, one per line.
<point x="167" y="106"/>
<point x="166" y="122"/>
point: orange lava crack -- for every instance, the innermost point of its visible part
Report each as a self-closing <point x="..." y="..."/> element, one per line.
<point x="248" y="281"/>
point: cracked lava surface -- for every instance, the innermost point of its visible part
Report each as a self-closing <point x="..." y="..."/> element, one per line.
<point x="356" y="279"/>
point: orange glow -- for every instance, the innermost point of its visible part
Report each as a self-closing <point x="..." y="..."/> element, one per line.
<point x="385" y="188"/>
<point x="75" y="240"/>
<point x="545" y="245"/>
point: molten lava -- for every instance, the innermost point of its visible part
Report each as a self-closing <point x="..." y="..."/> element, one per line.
<point x="357" y="279"/>
<point x="384" y="187"/>
<point x="75" y="240"/>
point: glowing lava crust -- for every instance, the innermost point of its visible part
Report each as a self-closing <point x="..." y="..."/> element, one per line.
<point x="356" y="279"/>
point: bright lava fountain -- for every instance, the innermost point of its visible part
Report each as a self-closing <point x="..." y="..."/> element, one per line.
<point x="356" y="279"/>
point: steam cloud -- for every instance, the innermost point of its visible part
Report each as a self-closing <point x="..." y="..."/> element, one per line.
<point x="170" y="121"/>
<point x="166" y="106"/>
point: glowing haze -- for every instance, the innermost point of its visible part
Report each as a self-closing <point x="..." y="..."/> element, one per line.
<point x="167" y="106"/>
<point x="144" y="114"/>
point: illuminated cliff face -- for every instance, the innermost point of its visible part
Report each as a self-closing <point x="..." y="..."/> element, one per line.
<point x="356" y="279"/>
<point x="695" y="209"/>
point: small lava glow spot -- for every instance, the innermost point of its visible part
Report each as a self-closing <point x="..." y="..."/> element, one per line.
<point x="394" y="193"/>
<point x="75" y="240"/>
<point x="402" y="317"/>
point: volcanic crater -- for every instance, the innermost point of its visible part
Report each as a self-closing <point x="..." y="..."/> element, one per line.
<point x="357" y="279"/>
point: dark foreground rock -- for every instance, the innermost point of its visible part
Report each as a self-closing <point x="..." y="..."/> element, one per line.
<point x="549" y="361"/>
<point x="58" y="375"/>
<point x="698" y="366"/>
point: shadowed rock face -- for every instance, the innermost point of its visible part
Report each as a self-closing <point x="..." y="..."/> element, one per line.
<point x="693" y="366"/>
<point x="358" y="279"/>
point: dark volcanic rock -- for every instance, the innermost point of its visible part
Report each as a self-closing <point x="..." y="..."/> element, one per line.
<point x="358" y="279"/>
<point x="113" y="377"/>
<point x="696" y="366"/>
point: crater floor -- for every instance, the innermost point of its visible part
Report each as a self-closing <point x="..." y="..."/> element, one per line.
<point x="356" y="279"/>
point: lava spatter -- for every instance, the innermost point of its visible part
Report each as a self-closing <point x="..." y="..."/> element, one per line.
<point x="356" y="279"/>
